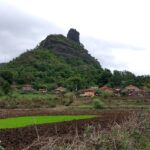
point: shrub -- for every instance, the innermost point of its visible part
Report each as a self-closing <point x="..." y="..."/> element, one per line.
<point x="98" y="104"/>
<point x="69" y="98"/>
<point x="132" y="134"/>
<point x="67" y="101"/>
<point x="106" y="94"/>
<point x="1" y="148"/>
<point x="52" y="104"/>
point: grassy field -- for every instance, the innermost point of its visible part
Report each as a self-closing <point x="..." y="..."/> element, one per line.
<point x="35" y="120"/>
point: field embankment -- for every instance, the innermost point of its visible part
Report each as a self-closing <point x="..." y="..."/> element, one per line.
<point x="19" y="138"/>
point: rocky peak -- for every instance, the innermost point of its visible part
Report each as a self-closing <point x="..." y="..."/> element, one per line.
<point x="73" y="35"/>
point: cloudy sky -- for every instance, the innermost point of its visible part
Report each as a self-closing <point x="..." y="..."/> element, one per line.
<point x="116" y="32"/>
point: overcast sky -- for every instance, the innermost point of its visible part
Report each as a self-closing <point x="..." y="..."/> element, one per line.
<point x="116" y="32"/>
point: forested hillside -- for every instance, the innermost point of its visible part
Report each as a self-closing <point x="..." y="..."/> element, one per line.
<point x="56" y="61"/>
<point x="63" y="61"/>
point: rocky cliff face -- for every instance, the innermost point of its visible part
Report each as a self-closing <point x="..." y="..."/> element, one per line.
<point x="68" y="48"/>
<point x="73" y="35"/>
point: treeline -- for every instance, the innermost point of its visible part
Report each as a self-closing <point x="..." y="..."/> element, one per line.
<point x="122" y="79"/>
<point x="72" y="83"/>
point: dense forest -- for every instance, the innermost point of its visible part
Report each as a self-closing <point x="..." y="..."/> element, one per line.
<point x="63" y="61"/>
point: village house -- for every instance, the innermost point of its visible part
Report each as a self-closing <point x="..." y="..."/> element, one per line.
<point x="59" y="90"/>
<point x="27" y="88"/>
<point x="43" y="90"/>
<point x="131" y="90"/>
<point x="117" y="91"/>
<point x="88" y="93"/>
<point x="106" y="89"/>
<point x="145" y="91"/>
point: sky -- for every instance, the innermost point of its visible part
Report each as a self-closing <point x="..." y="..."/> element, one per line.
<point x="115" y="32"/>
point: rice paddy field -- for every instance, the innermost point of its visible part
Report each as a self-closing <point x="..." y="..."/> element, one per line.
<point x="18" y="122"/>
<point x="21" y="127"/>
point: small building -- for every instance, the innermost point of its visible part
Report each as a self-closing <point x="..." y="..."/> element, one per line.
<point x="43" y="90"/>
<point x="60" y="90"/>
<point x="117" y="91"/>
<point x="106" y="89"/>
<point x="145" y="91"/>
<point x="27" y="88"/>
<point x="88" y="93"/>
<point x="131" y="90"/>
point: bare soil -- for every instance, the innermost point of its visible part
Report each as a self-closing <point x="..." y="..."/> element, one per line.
<point x="17" y="139"/>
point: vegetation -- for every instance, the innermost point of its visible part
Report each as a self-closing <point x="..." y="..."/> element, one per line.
<point x="1" y="148"/>
<point x="58" y="61"/>
<point x="34" y="120"/>
<point x="98" y="104"/>
<point x="132" y="134"/>
<point x="29" y="100"/>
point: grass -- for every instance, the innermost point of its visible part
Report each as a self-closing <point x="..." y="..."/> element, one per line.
<point x="35" y="120"/>
<point x="132" y="134"/>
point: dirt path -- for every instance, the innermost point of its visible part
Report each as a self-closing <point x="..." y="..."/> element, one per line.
<point x="16" y="139"/>
<point x="5" y="113"/>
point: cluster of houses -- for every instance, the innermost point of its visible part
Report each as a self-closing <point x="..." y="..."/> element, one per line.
<point x="129" y="90"/>
<point x="29" y="88"/>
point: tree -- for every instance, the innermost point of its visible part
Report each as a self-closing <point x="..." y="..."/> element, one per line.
<point x="116" y="79"/>
<point x="104" y="77"/>
<point x="7" y="75"/>
<point x="6" y="79"/>
<point x="6" y="88"/>
<point x="74" y="83"/>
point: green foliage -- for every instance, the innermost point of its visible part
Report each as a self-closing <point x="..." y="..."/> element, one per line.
<point x="104" y="77"/>
<point x="74" y="83"/>
<point x="1" y="148"/>
<point x="69" y="98"/>
<point x="122" y="79"/>
<point x="5" y="87"/>
<point x="29" y="100"/>
<point x="98" y="104"/>
<point x="56" y="60"/>
<point x="106" y="94"/>
<point x="32" y="120"/>
<point x="7" y="75"/>
<point x="60" y="61"/>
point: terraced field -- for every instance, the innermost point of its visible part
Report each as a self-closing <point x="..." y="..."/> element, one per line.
<point x="19" y="138"/>
<point x="18" y="122"/>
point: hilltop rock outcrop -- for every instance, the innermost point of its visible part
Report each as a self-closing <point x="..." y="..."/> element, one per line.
<point x="73" y="35"/>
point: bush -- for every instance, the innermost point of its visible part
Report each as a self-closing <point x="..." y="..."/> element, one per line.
<point x="52" y="104"/>
<point x="106" y="94"/>
<point x="98" y="104"/>
<point x="67" y="102"/>
<point x="1" y="148"/>
<point x="69" y="98"/>
<point x="131" y="134"/>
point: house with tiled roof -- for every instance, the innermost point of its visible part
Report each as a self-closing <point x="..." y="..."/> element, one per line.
<point x="106" y="89"/>
<point x="131" y="90"/>
<point x="88" y="92"/>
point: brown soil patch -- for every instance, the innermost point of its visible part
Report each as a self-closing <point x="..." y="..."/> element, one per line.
<point x="17" y="139"/>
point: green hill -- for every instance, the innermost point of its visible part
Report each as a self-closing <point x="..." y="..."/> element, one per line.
<point x="57" y="60"/>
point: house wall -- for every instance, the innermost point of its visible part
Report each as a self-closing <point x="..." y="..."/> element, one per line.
<point x="90" y="94"/>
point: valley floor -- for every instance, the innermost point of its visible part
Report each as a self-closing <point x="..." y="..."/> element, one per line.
<point x="20" y="138"/>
